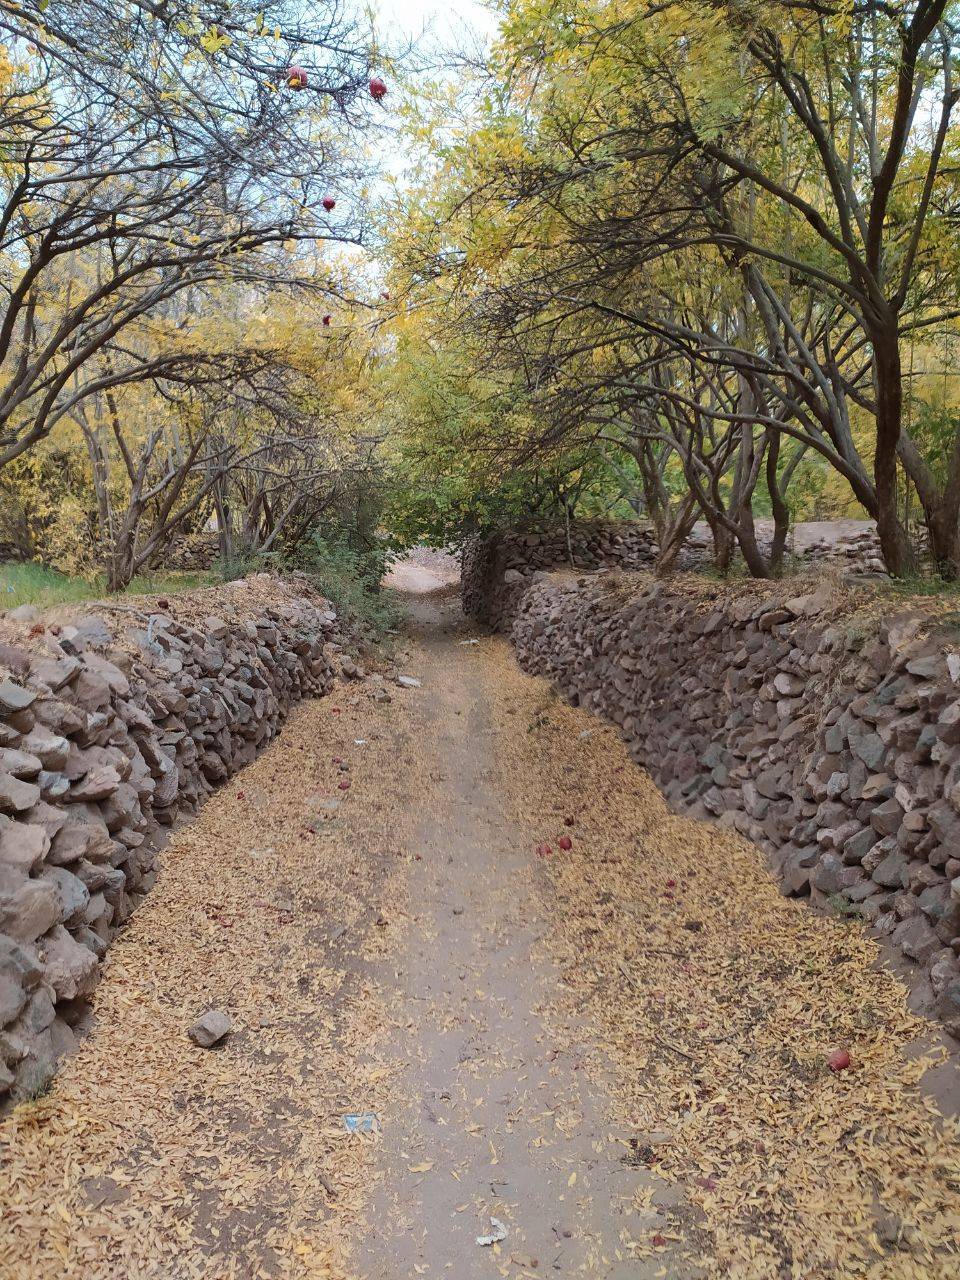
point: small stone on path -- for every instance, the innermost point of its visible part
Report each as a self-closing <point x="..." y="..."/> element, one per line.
<point x="210" y="1028"/>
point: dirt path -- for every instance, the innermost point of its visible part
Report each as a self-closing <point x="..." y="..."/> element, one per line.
<point x="495" y="1119"/>
<point x="616" y="1049"/>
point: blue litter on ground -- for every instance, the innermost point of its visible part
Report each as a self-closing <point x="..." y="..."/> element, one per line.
<point x="363" y="1122"/>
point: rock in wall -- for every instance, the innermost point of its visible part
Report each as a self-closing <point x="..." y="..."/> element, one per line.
<point x="801" y="716"/>
<point x="112" y="728"/>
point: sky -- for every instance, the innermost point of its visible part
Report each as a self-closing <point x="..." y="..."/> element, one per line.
<point x="441" y="19"/>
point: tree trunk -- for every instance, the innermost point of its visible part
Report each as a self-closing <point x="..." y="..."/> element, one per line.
<point x="723" y="545"/>
<point x="778" y="505"/>
<point x="944" y="531"/>
<point x="672" y="535"/>
<point x="897" y="552"/>
<point x="119" y="567"/>
<point x="752" y="555"/>
<point x="940" y="503"/>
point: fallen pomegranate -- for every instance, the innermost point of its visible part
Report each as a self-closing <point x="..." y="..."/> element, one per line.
<point x="326" y="321"/>
<point x="378" y="89"/>
<point x="839" y="1060"/>
<point x="329" y="203"/>
<point x="296" y="78"/>
<point x="344" y="785"/>
<point x="671" y="884"/>
<point x="565" y="842"/>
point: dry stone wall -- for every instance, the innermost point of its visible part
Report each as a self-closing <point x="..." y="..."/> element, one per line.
<point x="496" y="566"/>
<point x="804" y="718"/>
<point x="113" y="727"/>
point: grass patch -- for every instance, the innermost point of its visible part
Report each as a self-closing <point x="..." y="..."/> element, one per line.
<point x="36" y="584"/>
<point x="931" y="587"/>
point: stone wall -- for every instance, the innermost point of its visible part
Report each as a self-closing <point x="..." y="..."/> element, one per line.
<point x="496" y="566"/>
<point x="801" y="715"/>
<point x="114" y="726"/>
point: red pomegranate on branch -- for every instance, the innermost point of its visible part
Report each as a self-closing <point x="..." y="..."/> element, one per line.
<point x="378" y="89"/>
<point x="296" y="78"/>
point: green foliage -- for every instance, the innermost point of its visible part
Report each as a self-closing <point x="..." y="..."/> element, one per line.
<point x="349" y="573"/>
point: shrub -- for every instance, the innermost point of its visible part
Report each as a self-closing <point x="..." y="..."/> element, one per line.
<point x="349" y="573"/>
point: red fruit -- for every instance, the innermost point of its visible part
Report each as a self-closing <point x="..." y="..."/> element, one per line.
<point x="565" y="842"/>
<point x="667" y="894"/>
<point x="326" y="321"/>
<point x="163" y="604"/>
<point x="658" y="1240"/>
<point x="839" y="1060"/>
<point x="239" y="795"/>
<point x="344" y="785"/>
<point x="671" y="884"/>
<point x="378" y="89"/>
<point x="296" y="78"/>
<point x="329" y="203"/>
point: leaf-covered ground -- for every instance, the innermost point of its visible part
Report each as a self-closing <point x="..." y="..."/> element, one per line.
<point x="149" y="1157"/>
<point x="617" y="1049"/>
<point x="716" y="1002"/>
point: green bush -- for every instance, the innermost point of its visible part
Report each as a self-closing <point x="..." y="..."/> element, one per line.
<point x="349" y="573"/>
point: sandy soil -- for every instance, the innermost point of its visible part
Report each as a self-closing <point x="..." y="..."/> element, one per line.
<point x="423" y="571"/>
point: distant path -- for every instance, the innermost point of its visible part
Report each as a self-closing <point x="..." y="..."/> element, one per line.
<point x="496" y="1118"/>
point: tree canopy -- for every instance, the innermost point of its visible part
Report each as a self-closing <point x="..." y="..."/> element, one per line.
<point x="712" y="245"/>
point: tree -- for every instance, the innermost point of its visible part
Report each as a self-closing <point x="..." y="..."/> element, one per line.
<point x="152" y="154"/>
<point x="757" y="197"/>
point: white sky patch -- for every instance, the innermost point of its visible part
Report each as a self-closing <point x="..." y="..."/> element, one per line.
<point x="444" y="21"/>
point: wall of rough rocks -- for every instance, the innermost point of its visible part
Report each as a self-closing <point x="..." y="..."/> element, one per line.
<point x="114" y="725"/>
<point x="804" y="717"/>
<point x="496" y="566"/>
